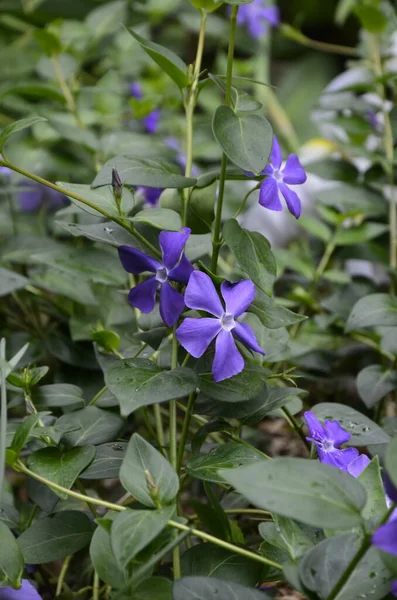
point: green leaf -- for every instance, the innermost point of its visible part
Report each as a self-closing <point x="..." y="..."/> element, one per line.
<point x="373" y="384"/>
<point x="373" y="310"/>
<point x="201" y="209"/>
<point x="243" y="386"/>
<point x="371" y="480"/>
<point x="140" y="382"/>
<point x="107" y="462"/>
<point x="149" y="172"/>
<point x="133" y="530"/>
<point x="371" y="18"/>
<point x="273" y="316"/>
<point x="360" y="234"/>
<point x="305" y="490"/>
<point x="61" y="467"/>
<point x="108" y="233"/>
<point x="206" y="560"/>
<point x="391" y="460"/>
<point x="14" y="128"/>
<point x="222" y="459"/>
<point x="364" y="432"/>
<point x="201" y="434"/>
<point x="102" y="197"/>
<point x="160" y="218"/>
<point x="286" y="535"/>
<point x="103" y="558"/>
<point x="23" y="431"/>
<point x="93" y="426"/>
<point x="106" y="18"/>
<point x="252" y="251"/>
<point x="48" y="42"/>
<point x="140" y="460"/>
<point x="11" y="559"/>
<point x="168" y="61"/>
<point x="53" y="538"/>
<point x="210" y="588"/>
<point x="209" y="5"/>
<point x="316" y="228"/>
<point x="57" y="395"/>
<point x="245" y="139"/>
<point x="244" y="102"/>
<point x="11" y="281"/>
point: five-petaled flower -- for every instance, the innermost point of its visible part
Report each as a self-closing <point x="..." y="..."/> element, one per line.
<point x="328" y="438"/>
<point x="195" y="335"/>
<point x="278" y="180"/>
<point x="258" y="16"/>
<point x="173" y="267"/>
<point x="25" y="592"/>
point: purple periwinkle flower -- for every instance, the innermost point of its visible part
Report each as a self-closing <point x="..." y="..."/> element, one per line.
<point x="32" y="196"/>
<point x="151" y="120"/>
<point x="25" y="592"/>
<point x="195" y="335"/>
<point x="258" y="16"/>
<point x="149" y="195"/>
<point x="328" y="438"/>
<point x="278" y="180"/>
<point x="385" y="538"/>
<point x="173" y="267"/>
<point x="4" y="171"/>
<point x="358" y="465"/>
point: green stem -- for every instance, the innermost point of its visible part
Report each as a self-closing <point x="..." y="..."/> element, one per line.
<point x="185" y="430"/>
<point x="173" y="447"/>
<point x="293" y="423"/>
<point x="242" y="205"/>
<point x="80" y="486"/>
<point x="95" y="587"/>
<point x="128" y="226"/>
<point x="298" y="37"/>
<point x="98" y="395"/>
<point x="325" y="259"/>
<point x="159" y="426"/>
<point x="67" y="94"/>
<point x="3" y="416"/>
<point x="190" y="106"/>
<point x="20" y="467"/>
<point x="62" y="575"/>
<point x="216" y="239"/>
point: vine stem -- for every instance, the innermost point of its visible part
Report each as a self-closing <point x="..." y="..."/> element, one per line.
<point x="185" y="430"/>
<point x="95" y="587"/>
<point x="216" y="239"/>
<point x="176" y="555"/>
<point x="21" y="468"/>
<point x="3" y="416"/>
<point x="67" y="94"/>
<point x="62" y="575"/>
<point x="190" y="105"/>
<point x="128" y="226"/>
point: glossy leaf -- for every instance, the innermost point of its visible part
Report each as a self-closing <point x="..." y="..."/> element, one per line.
<point x="243" y="386"/>
<point x="16" y="127"/>
<point x="308" y="491"/>
<point x="103" y="557"/>
<point x="373" y="384"/>
<point x="141" y="459"/>
<point x="57" y="395"/>
<point x="273" y="316"/>
<point x="160" y="218"/>
<point x="210" y="588"/>
<point x="94" y="426"/>
<point x="11" y="558"/>
<point x="245" y="139"/>
<point x="11" y="281"/>
<point x="373" y="310"/>
<point x="107" y="462"/>
<point x="23" y="431"/>
<point x="225" y="456"/>
<point x="371" y="480"/>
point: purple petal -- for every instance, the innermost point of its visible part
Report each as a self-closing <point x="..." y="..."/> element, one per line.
<point x="173" y="143"/>
<point x="195" y="335"/>
<point x="256" y="27"/>
<point x="272" y="15"/>
<point x="201" y="294"/>
<point x="338" y="458"/>
<point x="150" y="195"/>
<point x="31" y="199"/>
<point x="143" y="295"/>
<point x="228" y="360"/>
<point x="293" y="171"/>
<point x="55" y="199"/>
<point x="182" y="271"/>
<point x="358" y="465"/>
<point x="268" y="170"/>
<point x="136" y="262"/>
<point x="276" y="155"/>
<point x="136" y="90"/>
<point x="394" y="588"/>
<point x="172" y="244"/>
<point x="268" y="194"/>
<point x="171" y="304"/>
<point x="385" y="537"/>
<point x="316" y="430"/>
<point x="336" y="433"/>
<point x="26" y="592"/>
<point x="244" y="333"/>
<point x="292" y="200"/>
<point x="238" y="296"/>
<point x="390" y="488"/>
<point x="151" y="121"/>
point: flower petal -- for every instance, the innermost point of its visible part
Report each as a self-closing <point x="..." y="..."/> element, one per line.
<point x="195" y="335"/>
<point x="292" y="200"/>
<point x="357" y="466"/>
<point x="201" y="294"/>
<point x="150" y="195"/>
<point x="228" y="360"/>
<point x="26" y="592"/>
<point x="272" y="15"/>
<point x="394" y="588"/>
<point x="244" y="333"/>
<point x="136" y="262"/>
<point x="238" y="296"/>
<point x="268" y="195"/>
<point x="338" y="458"/>
<point x="316" y="430"/>
<point x="182" y="271"/>
<point x="172" y="304"/>
<point x="385" y="537"/>
<point x="172" y="244"/>
<point x="151" y="121"/>
<point x="136" y="90"/>
<point x="143" y="295"/>
<point x="31" y="198"/>
<point x="276" y="156"/>
<point x="391" y="490"/>
<point x="336" y="433"/>
<point x="293" y="171"/>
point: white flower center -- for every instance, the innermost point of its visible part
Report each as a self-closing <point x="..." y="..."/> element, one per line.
<point x="328" y="446"/>
<point x="227" y="322"/>
<point x="161" y="274"/>
<point x="277" y="175"/>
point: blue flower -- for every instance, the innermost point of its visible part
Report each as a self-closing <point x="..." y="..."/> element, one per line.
<point x="258" y="16"/>
<point x="151" y="121"/>
<point x="25" y="592"/>
<point x="278" y="180"/>
<point x="149" y="195"/>
<point x="328" y="438"/>
<point x="195" y="335"/>
<point x="173" y="267"/>
<point x="32" y="196"/>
